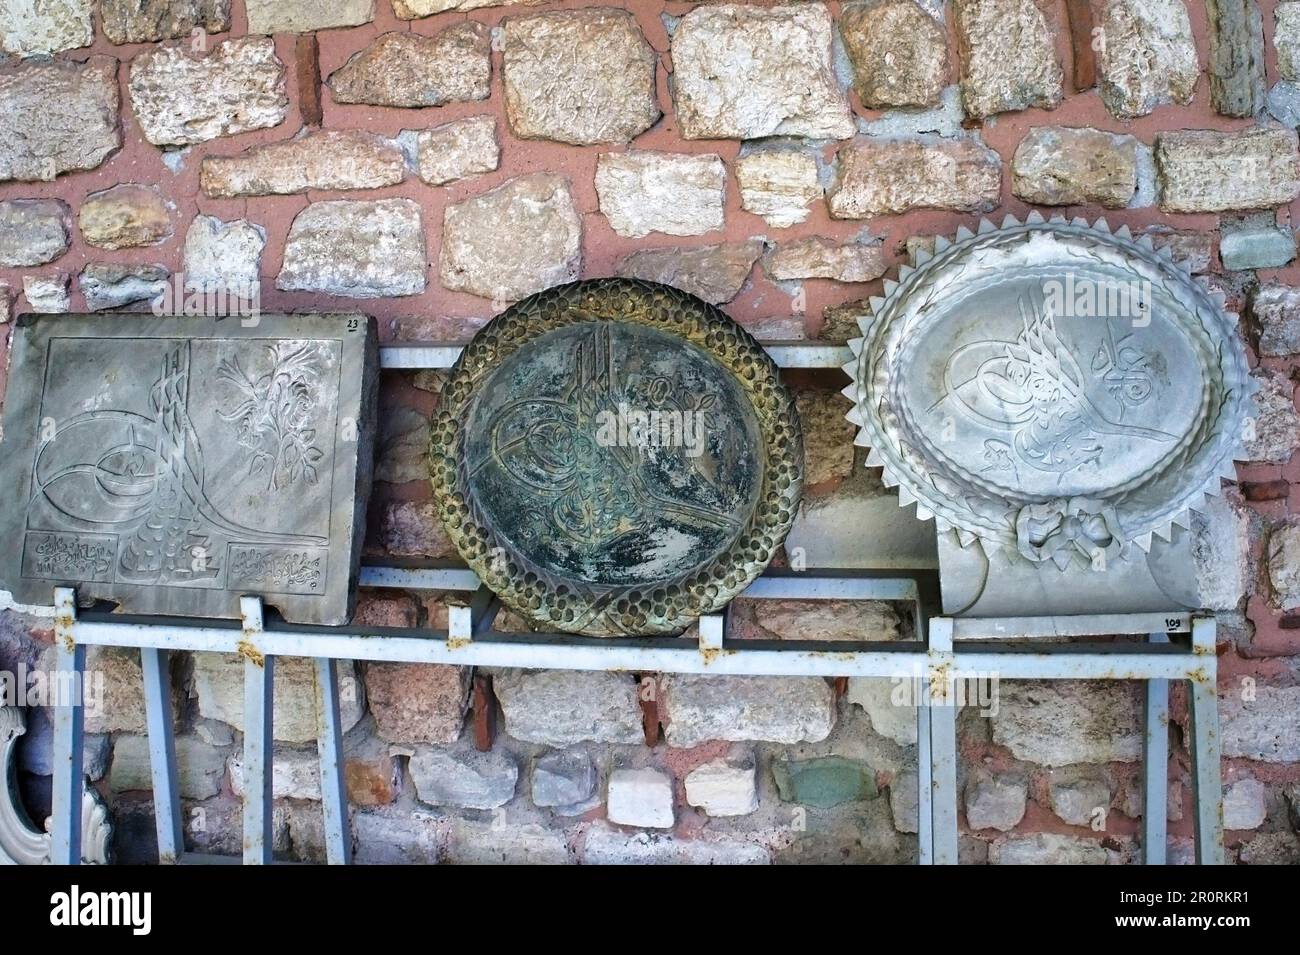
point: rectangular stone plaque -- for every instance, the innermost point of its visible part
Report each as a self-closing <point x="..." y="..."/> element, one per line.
<point x="173" y="464"/>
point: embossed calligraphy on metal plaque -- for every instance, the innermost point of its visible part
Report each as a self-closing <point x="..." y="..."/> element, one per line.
<point x="1050" y="390"/>
<point x="616" y="457"/>
<point x="171" y="465"/>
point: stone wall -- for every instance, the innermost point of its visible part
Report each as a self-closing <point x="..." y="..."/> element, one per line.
<point x="430" y="161"/>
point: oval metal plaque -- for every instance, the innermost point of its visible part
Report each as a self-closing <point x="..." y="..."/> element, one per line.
<point x="616" y="457"/>
<point x="1050" y="387"/>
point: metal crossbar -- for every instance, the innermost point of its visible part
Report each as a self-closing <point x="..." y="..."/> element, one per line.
<point x="466" y="642"/>
<point x="944" y="648"/>
<point x="415" y="356"/>
<point x="961" y="647"/>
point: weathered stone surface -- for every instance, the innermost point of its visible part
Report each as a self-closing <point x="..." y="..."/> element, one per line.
<point x="1273" y="429"/>
<point x="1206" y="171"/>
<point x="824" y="531"/>
<point x="828" y="619"/>
<point x="742" y="71"/>
<point x="403" y="447"/>
<point x="1244" y="804"/>
<point x="219" y="686"/>
<point x="1079" y="798"/>
<point x="1255" y="242"/>
<point x="904" y="802"/>
<point x="578" y="76"/>
<point x="1148" y="57"/>
<point x="416" y="9"/>
<point x="487" y="842"/>
<point x="840" y="322"/>
<point x="1265" y="727"/>
<point x="880" y="697"/>
<point x="199" y="767"/>
<point x="778" y="184"/>
<point x="823" y="782"/>
<point x="1047" y="849"/>
<point x="36" y="751"/>
<point x="464" y="778"/>
<point x="147" y="21"/>
<point x="27" y="29"/>
<point x="224" y="255"/>
<point x="399" y="836"/>
<point x="641" y="798"/>
<point x="1271" y="848"/>
<point x="371" y="774"/>
<point x="1236" y="57"/>
<point x="1061" y="166"/>
<point x="180" y="97"/>
<point x="995" y="802"/>
<point x="1221" y="535"/>
<point x="32" y="231"/>
<point x="819" y="258"/>
<point x="1276" y="309"/>
<point x="887" y="177"/>
<point x="418" y="702"/>
<point x="46" y="293"/>
<point x="455" y="150"/>
<point x="413" y="529"/>
<point x="111" y="285"/>
<point x="1191" y="248"/>
<point x="644" y="191"/>
<point x="565" y="781"/>
<point x="724" y="787"/>
<point x="1286" y="39"/>
<point x="58" y="117"/>
<point x="827" y="436"/>
<point x="696" y="709"/>
<point x="126" y="216"/>
<point x="1284" y="566"/>
<point x="356" y="249"/>
<point x="321" y="159"/>
<point x="715" y="273"/>
<point x="519" y="238"/>
<point x="123" y="706"/>
<point x="899" y="53"/>
<point x="604" y="845"/>
<point x="562" y="707"/>
<point x="304" y="16"/>
<point x="1008" y="58"/>
<point x="1062" y="722"/>
<point x="1284" y="103"/>
<point x="412" y="70"/>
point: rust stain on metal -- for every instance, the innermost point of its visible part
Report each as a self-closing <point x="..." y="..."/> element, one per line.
<point x="712" y="654"/>
<point x="458" y="643"/>
<point x="250" y="653"/>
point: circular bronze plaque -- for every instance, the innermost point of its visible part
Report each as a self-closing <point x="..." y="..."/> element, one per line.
<point x="616" y="457"/>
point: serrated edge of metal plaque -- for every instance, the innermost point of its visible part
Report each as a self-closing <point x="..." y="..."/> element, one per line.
<point x="912" y="473"/>
<point x="601" y="610"/>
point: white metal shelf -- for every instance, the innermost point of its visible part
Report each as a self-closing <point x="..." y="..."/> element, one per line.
<point x="417" y="355"/>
